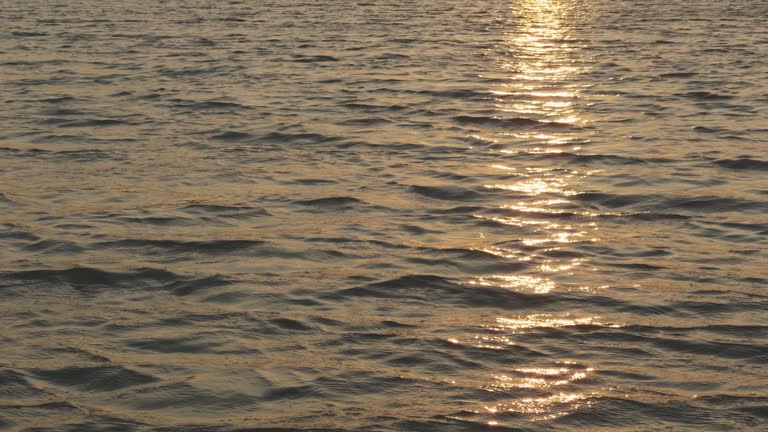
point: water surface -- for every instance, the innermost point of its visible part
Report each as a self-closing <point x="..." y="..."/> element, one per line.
<point x="386" y="216"/>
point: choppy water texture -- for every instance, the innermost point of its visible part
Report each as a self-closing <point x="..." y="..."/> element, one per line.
<point x="385" y="216"/>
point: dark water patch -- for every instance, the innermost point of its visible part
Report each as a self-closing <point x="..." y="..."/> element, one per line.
<point x="756" y="353"/>
<point x="84" y="277"/>
<point x="368" y="121"/>
<point x="313" y="181"/>
<point x="80" y="139"/>
<point x="194" y="72"/>
<point x="63" y="112"/>
<point x="708" y="129"/>
<point x="53" y="121"/>
<point x="16" y="386"/>
<point x="211" y="105"/>
<point x="293" y="393"/>
<point x="28" y="152"/>
<point x="338" y="202"/>
<point x="28" y="34"/>
<point x="461" y="210"/>
<point x="391" y="56"/>
<point x="88" y="155"/>
<point x="225" y="211"/>
<point x="449" y="193"/>
<point x="418" y="230"/>
<point x="184" y="397"/>
<point x="631" y="252"/>
<point x="149" y="220"/>
<point x="19" y="235"/>
<point x="196" y="344"/>
<point x="93" y="123"/>
<point x="232" y="136"/>
<point x="395" y="324"/>
<point x="704" y="95"/>
<point x="290" y="324"/>
<point x="60" y="99"/>
<point x="50" y="247"/>
<point x="670" y="202"/>
<point x="193" y="286"/>
<point x="678" y="75"/>
<point x="372" y="108"/>
<point x="84" y="155"/>
<point x="204" y="321"/>
<point x="96" y="378"/>
<point x="718" y="308"/>
<point x="637" y="266"/>
<point x="716" y="204"/>
<point x="300" y="58"/>
<point x="297" y="138"/>
<point x="457" y="94"/>
<point x="150" y="246"/>
<point x="79" y="353"/>
<point x="747" y="164"/>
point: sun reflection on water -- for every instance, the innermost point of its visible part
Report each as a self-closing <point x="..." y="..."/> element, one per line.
<point x="535" y="321"/>
<point x="539" y="378"/>
<point x="544" y="408"/>
<point x="543" y="62"/>
<point x="536" y="285"/>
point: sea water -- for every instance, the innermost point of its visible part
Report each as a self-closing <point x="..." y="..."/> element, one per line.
<point x="384" y="215"/>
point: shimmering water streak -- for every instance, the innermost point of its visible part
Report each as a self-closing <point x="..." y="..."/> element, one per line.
<point x="547" y="69"/>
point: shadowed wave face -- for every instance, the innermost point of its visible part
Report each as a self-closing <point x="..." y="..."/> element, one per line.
<point x="513" y="215"/>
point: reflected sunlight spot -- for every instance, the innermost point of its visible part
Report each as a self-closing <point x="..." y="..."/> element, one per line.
<point x="545" y="408"/>
<point x="558" y="237"/>
<point x="534" y="321"/>
<point x="538" y="378"/>
<point x="554" y="104"/>
<point x="533" y="187"/>
<point x="506" y="253"/>
<point x="549" y="268"/>
<point x="536" y="285"/>
<point x="569" y="120"/>
<point x="537" y="207"/>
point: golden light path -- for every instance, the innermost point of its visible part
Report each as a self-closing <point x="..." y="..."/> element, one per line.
<point x="544" y="63"/>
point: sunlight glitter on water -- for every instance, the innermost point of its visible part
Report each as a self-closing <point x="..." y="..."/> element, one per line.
<point x="545" y="408"/>
<point x="537" y="186"/>
<point x="534" y="321"/>
<point x="532" y="284"/>
<point x="539" y="378"/>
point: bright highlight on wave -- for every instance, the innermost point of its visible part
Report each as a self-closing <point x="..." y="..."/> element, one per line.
<point x="538" y="186"/>
<point x="539" y="378"/>
<point x="543" y="408"/>
<point x="546" y="321"/>
<point x="531" y="284"/>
